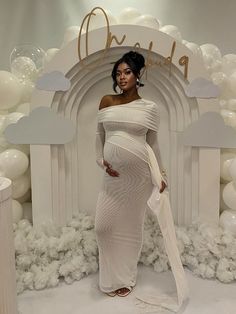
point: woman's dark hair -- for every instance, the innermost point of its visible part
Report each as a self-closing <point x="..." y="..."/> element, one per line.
<point x="134" y="60"/>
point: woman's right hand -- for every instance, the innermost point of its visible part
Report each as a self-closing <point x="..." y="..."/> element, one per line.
<point x="109" y="170"/>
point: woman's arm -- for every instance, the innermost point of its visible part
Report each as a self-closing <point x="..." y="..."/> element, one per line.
<point x="100" y="140"/>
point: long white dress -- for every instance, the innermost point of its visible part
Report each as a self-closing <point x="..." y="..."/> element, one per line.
<point x="127" y="138"/>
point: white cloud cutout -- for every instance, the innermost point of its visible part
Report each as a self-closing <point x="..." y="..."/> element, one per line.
<point x="42" y="126"/>
<point x="210" y="131"/>
<point x="53" y="81"/>
<point x="202" y="88"/>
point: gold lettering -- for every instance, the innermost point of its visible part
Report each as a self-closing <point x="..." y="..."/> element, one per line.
<point x="184" y="61"/>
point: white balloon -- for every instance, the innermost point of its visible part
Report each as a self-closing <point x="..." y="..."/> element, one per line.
<point x="223" y="104"/>
<point x="229" y="117"/>
<point x="147" y="20"/>
<point x="229" y="64"/>
<point x="225" y="161"/>
<point x="10" y="90"/>
<point x="212" y="50"/>
<point x="194" y="48"/>
<point x="128" y="15"/>
<point x="13" y="163"/>
<point x="17" y="211"/>
<point x="232" y="169"/>
<point x="2" y="123"/>
<point x="25" y="198"/>
<point x="27" y="211"/>
<point x="20" y="186"/>
<point x="172" y="31"/>
<point x="24" y="108"/>
<point x="228" y="220"/>
<point x="71" y="33"/>
<point x="219" y="79"/>
<point x="27" y="90"/>
<point x="229" y="195"/>
<point x="49" y="55"/>
<point x="24" y="68"/>
<point x="223" y="206"/>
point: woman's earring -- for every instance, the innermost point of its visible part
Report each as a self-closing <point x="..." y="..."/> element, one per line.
<point x="137" y="82"/>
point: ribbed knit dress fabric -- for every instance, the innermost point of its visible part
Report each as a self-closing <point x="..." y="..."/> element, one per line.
<point x="127" y="139"/>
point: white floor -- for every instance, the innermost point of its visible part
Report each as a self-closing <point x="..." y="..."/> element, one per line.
<point x="83" y="297"/>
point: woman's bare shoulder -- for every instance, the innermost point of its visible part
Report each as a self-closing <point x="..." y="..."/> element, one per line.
<point x="106" y="101"/>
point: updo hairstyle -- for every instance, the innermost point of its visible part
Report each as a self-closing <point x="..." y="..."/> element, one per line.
<point x="135" y="61"/>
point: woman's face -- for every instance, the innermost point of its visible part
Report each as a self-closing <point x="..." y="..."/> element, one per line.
<point x="125" y="77"/>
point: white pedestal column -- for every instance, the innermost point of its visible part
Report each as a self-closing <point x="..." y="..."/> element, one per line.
<point x="8" y="299"/>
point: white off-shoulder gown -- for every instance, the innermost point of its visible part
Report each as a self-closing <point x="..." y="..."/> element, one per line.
<point x="127" y="139"/>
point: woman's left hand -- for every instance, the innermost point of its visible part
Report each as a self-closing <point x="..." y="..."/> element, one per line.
<point x="163" y="186"/>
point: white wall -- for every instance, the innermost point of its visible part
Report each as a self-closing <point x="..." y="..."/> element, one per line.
<point x="42" y="22"/>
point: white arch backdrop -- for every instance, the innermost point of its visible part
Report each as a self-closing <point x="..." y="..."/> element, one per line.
<point x="66" y="179"/>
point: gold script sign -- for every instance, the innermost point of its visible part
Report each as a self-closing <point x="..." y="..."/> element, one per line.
<point x="183" y="61"/>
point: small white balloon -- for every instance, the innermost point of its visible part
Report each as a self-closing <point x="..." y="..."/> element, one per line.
<point x="232" y="83"/>
<point x="27" y="90"/>
<point x="219" y="79"/>
<point x="229" y="195"/>
<point x="2" y="123"/>
<point x="25" y="198"/>
<point x="17" y="211"/>
<point x="13" y="163"/>
<point x="24" y="108"/>
<point x="20" y="186"/>
<point x="229" y="117"/>
<point x="194" y="48"/>
<point x="223" y="206"/>
<point x="225" y="161"/>
<point x="228" y="221"/>
<point x="229" y="64"/>
<point x="212" y="50"/>
<point x="10" y="90"/>
<point x="223" y="104"/>
<point x="12" y="118"/>
<point x="27" y="211"/>
<point x="128" y="15"/>
<point x="147" y="20"/>
<point x="71" y="33"/>
<point x="49" y="55"/>
<point x="172" y="31"/>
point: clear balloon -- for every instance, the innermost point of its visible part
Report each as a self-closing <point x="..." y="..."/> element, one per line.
<point x="24" y="68"/>
<point x="225" y="161"/>
<point x="229" y="195"/>
<point x="34" y="53"/>
<point x="147" y="20"/>
<point x="13" y="163"/>
<point x="17" y="211"/>
<point x="228" y="221"/>
<point x="128" y="15"/>
<point x="172" y="31"/>
<point x="10" y="90"/>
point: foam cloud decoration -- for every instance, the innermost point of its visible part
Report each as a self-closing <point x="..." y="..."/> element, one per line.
<point x="202" y="88"/>
<point x="53" y="81"/>
<point x="42" y="126"/>
<point x="209" y="131"/>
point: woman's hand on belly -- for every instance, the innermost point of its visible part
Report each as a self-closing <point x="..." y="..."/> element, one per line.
<point x="109" y="170"/>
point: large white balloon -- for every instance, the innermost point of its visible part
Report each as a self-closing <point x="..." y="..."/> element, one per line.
<point x="128" y="15"/>
<point x="229" y="117"/>
<point x="17" y="211"/>
<point x="229" y="64"/>
<point x="70" y="34"/>
<point x="225" y="161"/>
<point x="24" y="68"/>
<point x="210" y="49"/>
<point x="228" y="221"/>
<point x="25" y="198"/>
<point x="10" y="90"/>
<point x="212" y="57"/>
<point x="20" y="186"/>
<point x="13" y="163"/>
<point x="229" y="195"/>
<point x="172" y="31"/>
<point x="147" y="20"/>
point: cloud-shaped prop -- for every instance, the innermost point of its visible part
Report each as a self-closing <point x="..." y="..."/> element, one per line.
<point x="202" y="88"/>
<point x="53" y="81"/>
<point x="210" y="131"/>
<point x="42" y="126"/>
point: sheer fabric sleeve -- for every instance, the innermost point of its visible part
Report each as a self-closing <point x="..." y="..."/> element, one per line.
<point x="152" y="140"/>
<point x="100" y="139"/>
